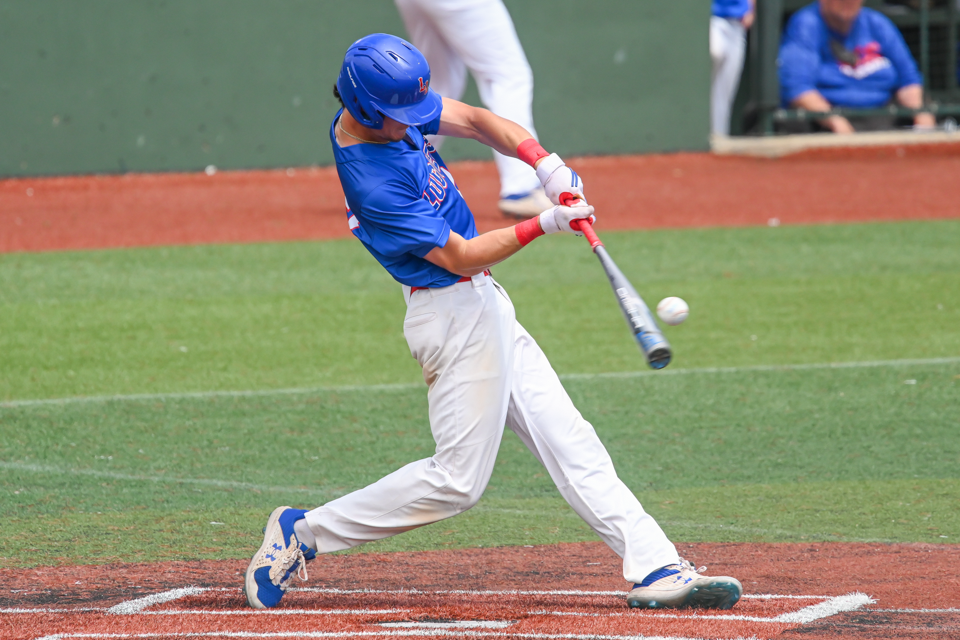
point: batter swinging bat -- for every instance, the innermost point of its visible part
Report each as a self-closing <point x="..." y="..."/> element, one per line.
<point x="654" y="346"/>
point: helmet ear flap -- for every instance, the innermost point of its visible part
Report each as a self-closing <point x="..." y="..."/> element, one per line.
<point x="351" y="95"/>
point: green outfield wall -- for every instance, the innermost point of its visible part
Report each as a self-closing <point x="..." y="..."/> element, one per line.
<point x="107" y="86"/>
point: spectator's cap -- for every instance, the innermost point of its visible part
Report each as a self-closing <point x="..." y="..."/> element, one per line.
<point x="383" y="75"/>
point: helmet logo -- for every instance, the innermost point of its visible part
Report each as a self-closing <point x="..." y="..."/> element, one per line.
<point x="423" y="85"/>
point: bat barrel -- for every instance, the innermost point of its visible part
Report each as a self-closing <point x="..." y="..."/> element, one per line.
<point x="654" y="346"/>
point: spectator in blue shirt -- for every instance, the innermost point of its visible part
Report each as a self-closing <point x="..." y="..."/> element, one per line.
<point x="837" y="53"/>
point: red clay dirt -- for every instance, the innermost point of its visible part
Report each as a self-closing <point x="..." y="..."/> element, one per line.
<point x="408" y="588"/>
<point x="678" y="190"/>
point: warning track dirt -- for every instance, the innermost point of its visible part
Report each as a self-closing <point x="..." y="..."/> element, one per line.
<point x="569" y="591"/>
<point x="629" y="192"/>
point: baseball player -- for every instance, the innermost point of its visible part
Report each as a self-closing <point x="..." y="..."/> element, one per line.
<point x="482" y="369"/>
<point x="457" y="35"/>
<point x="729" y="23"/>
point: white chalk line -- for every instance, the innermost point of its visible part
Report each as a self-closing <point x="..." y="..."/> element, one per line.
<point x="916" y="610"/>
<point x="137" y="605"/>
<point x="271" y="612"/>
<point x="13" y="404"/>
<point x="202" y="395"/>
<point x="907" y="362"/>
<point x="112" y="475"/>
<point x="457" y="624"/>
<point x="506" y="592"/>
<point x="458" y="633"/>
<point x="22" y="610"/>
<point x="830" y="607"/>
<point x="833" y="606"/>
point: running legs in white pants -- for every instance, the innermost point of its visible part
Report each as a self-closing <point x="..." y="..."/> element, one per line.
<point x="728" y="44"/>
<point x="456" y="35"/>
<point x="484" y="370"/>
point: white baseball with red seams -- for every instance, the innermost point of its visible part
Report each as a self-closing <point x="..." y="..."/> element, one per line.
<point x="673" y="310"/>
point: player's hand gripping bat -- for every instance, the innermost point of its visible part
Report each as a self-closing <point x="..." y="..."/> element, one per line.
<point x="654" y="346"/>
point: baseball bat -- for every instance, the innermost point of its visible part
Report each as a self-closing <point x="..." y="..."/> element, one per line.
<point x="654" y="346"/>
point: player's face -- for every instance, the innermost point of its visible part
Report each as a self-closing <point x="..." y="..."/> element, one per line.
<point x="392" y="130"/>
<point x="843" y="11"/>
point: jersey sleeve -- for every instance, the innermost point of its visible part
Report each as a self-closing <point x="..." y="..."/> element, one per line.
<point x="799" y="59"/>
<point x="894" y="47"/>
<point x="398" y="221"/>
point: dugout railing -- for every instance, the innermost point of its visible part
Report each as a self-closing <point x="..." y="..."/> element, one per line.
<point x="930" y="28"/>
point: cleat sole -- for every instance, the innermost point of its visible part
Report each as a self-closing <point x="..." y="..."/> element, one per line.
<point x="715" y="594"/>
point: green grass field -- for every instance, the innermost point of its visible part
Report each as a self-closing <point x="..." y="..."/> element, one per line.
<point x="119" y="439"/>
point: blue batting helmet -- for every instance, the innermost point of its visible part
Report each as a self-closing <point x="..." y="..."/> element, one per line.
<point x="383" y="75"/>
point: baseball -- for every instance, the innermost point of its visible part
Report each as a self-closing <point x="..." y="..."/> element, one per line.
<point x="673" y="310"/>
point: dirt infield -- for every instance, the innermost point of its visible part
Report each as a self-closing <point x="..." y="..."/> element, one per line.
<point x="814" y="591"/>
<point x="679" y="190"/>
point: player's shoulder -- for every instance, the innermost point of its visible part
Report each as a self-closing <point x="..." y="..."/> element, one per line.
<point x="808" y="16"/>
<point x="805" y="24"/>
<point x="877" y="22"/>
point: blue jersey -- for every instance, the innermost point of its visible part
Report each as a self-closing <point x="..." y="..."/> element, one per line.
<point x="876" y="64"/>
<point x="402" y="203"/>
<point x="730" y="8"/>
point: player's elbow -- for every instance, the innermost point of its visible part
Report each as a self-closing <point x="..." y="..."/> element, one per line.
<point x="456" y="257"/>
<point x="466" y="272"/>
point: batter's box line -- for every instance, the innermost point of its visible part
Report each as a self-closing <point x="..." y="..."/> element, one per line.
<point x="507" y="592"/>
<point x="360" y="634"/>
<point x="829" y="606"/>
<point x="139" y="605"/>
<point x="825" y="609"/>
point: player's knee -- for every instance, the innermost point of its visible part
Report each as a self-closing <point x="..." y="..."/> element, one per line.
<point x="468" y="491"/>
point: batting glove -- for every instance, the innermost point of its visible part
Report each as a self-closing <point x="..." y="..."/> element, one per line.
<point x="558" y="218"/>
<point x="558" y="179"/>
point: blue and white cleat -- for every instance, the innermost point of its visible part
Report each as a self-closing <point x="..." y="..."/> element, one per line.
<point x="280" y="557"/>
<point x="680" y="586"/>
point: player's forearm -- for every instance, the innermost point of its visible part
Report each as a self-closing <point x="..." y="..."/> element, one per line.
<point x="463" y="121"/>
<point x="470" y="257"/>
<point x="911" y="96"/>
<point x="499" y="133"/>
<point x="814" y="101"/>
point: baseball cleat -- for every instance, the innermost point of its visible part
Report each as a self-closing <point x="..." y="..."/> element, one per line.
<point x="680" y="586"/>
<point x="280" y="557"/>
<point x="525" y="205"/>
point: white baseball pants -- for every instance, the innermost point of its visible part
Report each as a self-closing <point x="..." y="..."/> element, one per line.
<point x="457" y="35"/>
<point x="483" y="370"/>
<point x="728" y="45"/>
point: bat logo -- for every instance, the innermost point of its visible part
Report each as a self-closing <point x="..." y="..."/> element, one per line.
<point x="631" y="307"/>
<point x="423" y="85"/>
